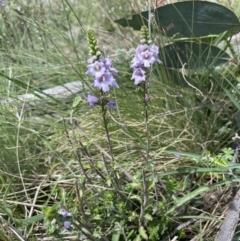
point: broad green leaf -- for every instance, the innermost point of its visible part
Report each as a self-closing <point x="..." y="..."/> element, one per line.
<point x="187" y="19"/>
<point x="192" y="55"/>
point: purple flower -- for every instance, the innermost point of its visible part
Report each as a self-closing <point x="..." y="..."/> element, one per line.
<point x="67" y="224"/>
<point x="103" y="73"/>
<point x="141" y="48"/>
<point x="108" y="65"/>
<point x="135" y="62"/>
<point x="147" y="58"/>
<point x="111" y="105"/>
<point x="96" y="69"/>
<point x="2" y="3"/>
<point x="145" y="55"/>
<point x="139" y="75"/>
<point x="103" y="82"/>
<point x="64" y="213"/>
<point x="92" y="100"/>
<point x="154" y="49"/>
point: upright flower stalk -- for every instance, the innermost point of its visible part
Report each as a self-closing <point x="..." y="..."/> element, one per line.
<point x="146" y="54"/>
<point x="104" y="74"/>
<point x="100" y="67"/>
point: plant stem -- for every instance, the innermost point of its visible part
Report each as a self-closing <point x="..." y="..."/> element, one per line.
<point x="109" y="141"/>
<point x="146" y="100"/>
<point x="105" y="125"/>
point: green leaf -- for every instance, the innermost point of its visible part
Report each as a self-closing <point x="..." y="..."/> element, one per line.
<point x="130" y="233"/>
<point x="195" y="55"/>
<point x="148" y="217"/>
<point x="116" y="236"/>
<point x="51" y="212"/>
<point x="143" y="233"/>
<point x="151" y="184"/>
<point x="138" y="238"/>
<point x="136" y="184"/>
<point x="136" y="197"/>
<point x="228" y="153"/>
<point x="187" y="19"/>
<point x="76" y="102"/>
<point x="31" y="220"/>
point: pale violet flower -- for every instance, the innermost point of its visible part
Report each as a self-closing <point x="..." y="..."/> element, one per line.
<point x="92" y="100"/>
<point x="64" y="213"/>
<point x="139" y="75"/>
<point x="145" y="56"/>
<point x="108" y="65"/>
<point x="2" y="3"/>
<point x="141" y="48"/>
<point x="104" y="81"/>
<point x="103" y="73"/>
<point x="96" y="69"/>
<point x="111" y="105"/>
<point x="67" y="224"/>
<point x="66" y="217"/>
<point x="154" y="49"/>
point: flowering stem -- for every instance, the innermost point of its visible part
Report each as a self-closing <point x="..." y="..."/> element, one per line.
<point x="105" y="125"/>
<point x="146" y="55"/>
<point x="146" y="99"/>
<point x="107" y="133"/>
